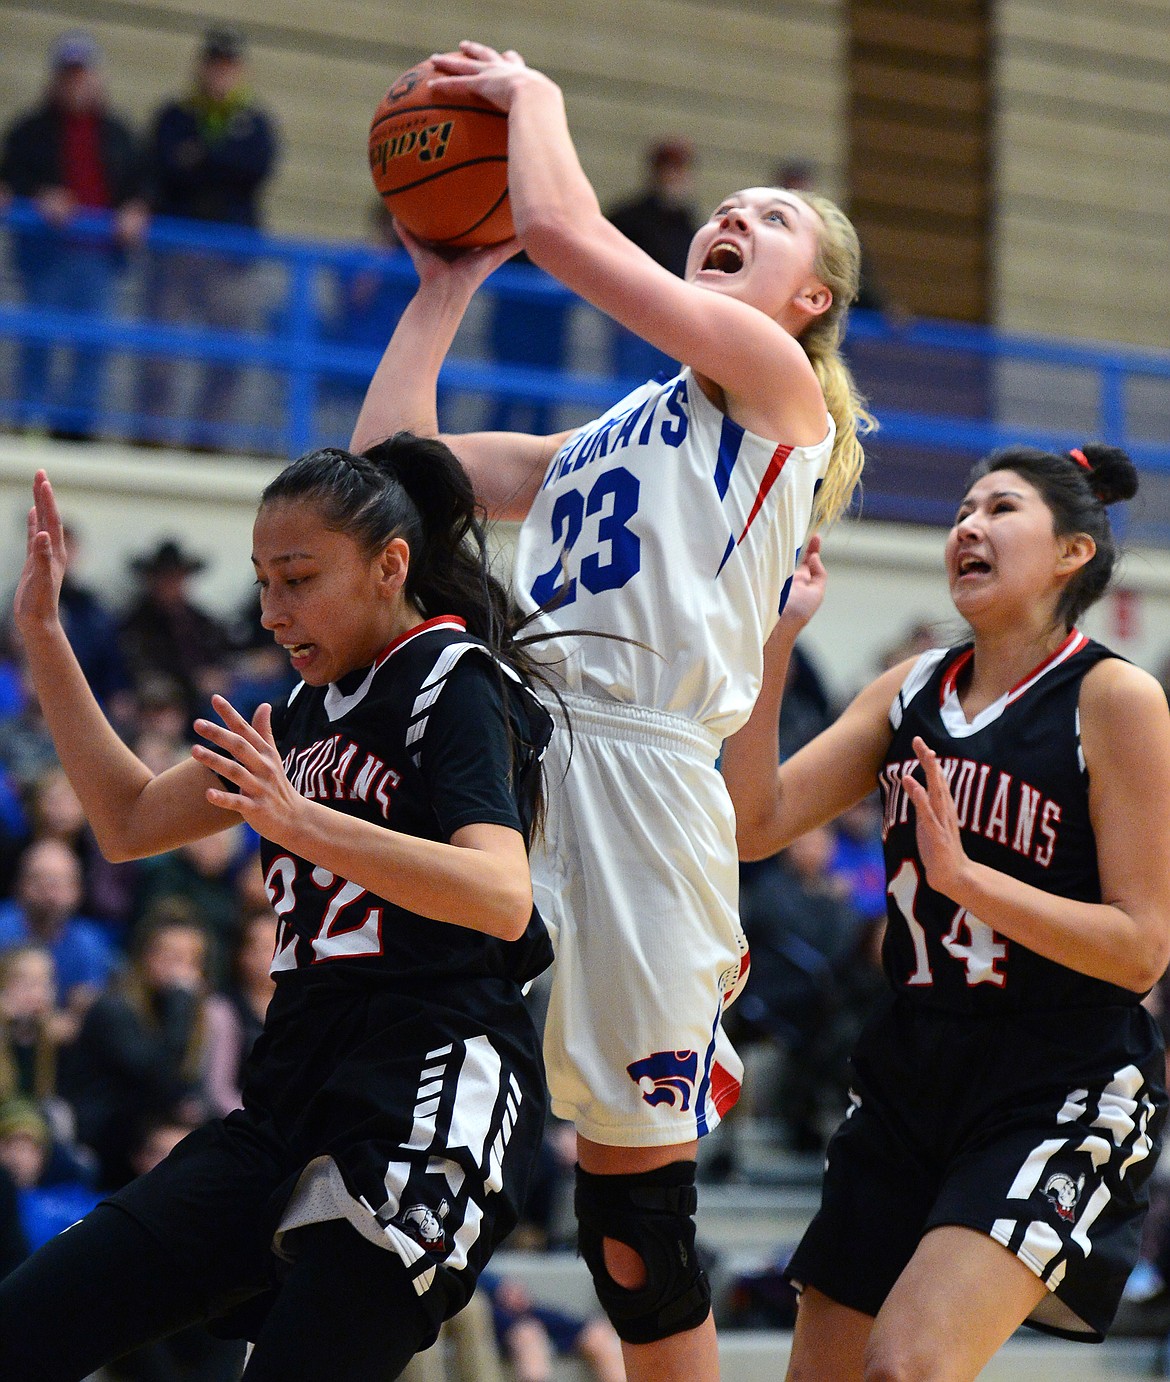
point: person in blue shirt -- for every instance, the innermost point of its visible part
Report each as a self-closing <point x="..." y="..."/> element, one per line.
<point x="44" y="909"/>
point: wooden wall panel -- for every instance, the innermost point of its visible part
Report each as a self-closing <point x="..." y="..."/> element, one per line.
<point x="920" y="116"/>
<point x="1083" y="160"/>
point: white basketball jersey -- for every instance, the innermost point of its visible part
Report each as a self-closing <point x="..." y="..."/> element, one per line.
<point x="674" y="526"/>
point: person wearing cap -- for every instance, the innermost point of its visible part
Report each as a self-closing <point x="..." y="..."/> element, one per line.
<point x="210" y="155"/>
<point x="661" y="219"/>
<point x="164" y="633"/>
<point x="69" y="155"/>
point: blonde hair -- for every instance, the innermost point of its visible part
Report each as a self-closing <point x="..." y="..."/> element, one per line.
<point x="838" y="266"/>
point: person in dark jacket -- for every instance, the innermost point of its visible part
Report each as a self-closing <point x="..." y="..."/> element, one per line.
<point x="70" y="155"/>
<point x="210" y="155"/>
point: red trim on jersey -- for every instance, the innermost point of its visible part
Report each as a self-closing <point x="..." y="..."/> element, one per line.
<point x="724" y="1089"/>
<point x="440" y="621"/>
<point x="1075" y="641"/>
<point x="771" y="475"/>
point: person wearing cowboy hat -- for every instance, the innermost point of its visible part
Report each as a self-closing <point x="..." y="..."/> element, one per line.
<point x="166" y="633"/>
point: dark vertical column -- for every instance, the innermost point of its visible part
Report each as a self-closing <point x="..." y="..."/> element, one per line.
<point x="920" y="158"/>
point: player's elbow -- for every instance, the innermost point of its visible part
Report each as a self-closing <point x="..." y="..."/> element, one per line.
<point x="550" y="236"/>
<point x="512" y="913"/>
<point x="1149" y="959"/>
<point x="755" y="835"/>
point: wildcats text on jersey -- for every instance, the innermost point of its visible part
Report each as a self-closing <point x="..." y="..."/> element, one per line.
<point x="663" y="416"/>
<point x="988" y="802"/>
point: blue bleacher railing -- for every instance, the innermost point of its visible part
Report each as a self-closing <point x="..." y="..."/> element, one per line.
<point x="944" y="393"/>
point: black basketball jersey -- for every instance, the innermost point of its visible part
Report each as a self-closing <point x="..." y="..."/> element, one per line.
<point x="1018" y="778"/>
<point x="418" y="742"/>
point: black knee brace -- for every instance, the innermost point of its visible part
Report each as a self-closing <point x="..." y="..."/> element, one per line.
<point x="653" y="1213"/>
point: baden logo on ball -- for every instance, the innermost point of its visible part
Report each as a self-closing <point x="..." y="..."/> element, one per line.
<point x="440" y="164"/>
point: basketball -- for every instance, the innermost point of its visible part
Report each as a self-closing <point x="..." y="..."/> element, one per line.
<point x="441" y="166"/>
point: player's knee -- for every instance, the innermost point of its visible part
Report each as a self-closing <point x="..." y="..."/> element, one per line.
<point x="889" y="1360"/>
<point x="652" y="1215"/>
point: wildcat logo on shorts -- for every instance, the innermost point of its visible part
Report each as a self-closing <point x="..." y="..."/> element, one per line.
<point x="1064" y="1192"/>
<point x="424" y="1225"/>
<point x="666" y="1077"/>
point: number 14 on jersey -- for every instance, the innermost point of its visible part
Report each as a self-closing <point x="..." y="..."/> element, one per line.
<point x="970" y="941"/>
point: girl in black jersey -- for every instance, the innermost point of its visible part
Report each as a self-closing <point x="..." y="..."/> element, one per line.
<point x="394" y="1102"/>
<point x="1008" y="1094"/>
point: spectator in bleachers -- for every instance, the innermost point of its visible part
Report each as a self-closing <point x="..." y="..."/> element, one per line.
<point x="210" y="155"/>
<point x="70" y="154"/>
<point x="804" y="935"/>
<point x="532" y="1334"/>
<point x="236" y="1014"/>
<point x="140" y="1053"/>
<point x="93" y="634"/>
<point x="661" y="218"/>
<point x="108" y="889"/>
<point x="49" y="1201"/>
<point x="32" y="1027"/>
<point x="203" y="873"/>
<point x="44" y="911"/>
<point x="165" y="634"/>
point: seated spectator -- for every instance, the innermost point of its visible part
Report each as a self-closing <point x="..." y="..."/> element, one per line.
<point x="202" y="873"/>
<point x="857" y="858"/>
<point x="35" y="1035"/>
<point x="71" y="154"/>
<point x="47" y="1204"/>
<point x="166" y="634"/>
<point x="531" y="1335"/>
<point x="26" y="748"/>
<point x="804" y="935"/>
<point x="93" y="634"/>
<point x="55" y="813"/>
<point x="140" y="1053"/>
<point x="235" y="1017"/>
<point x="44" y="910"/>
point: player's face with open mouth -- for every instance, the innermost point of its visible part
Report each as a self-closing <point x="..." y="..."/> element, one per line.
<point x="759" y="245"/>
<point x="329" y="604"/>
<point x="1002" y="553"/>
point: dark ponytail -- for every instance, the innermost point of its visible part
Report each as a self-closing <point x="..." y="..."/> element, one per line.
<point x="415" y="488"/>
<point x="1077" y="486"/>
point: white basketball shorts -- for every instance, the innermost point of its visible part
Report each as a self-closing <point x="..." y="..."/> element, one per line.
<point x="638" y="880"/>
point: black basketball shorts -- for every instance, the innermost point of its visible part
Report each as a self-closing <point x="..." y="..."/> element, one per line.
<point x="1039" y="1130"/>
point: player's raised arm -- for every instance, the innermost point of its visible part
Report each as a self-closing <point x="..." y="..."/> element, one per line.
<point x="752" y="355"/>
<point x="132" y="812"/>
<point x="505" y="467"/>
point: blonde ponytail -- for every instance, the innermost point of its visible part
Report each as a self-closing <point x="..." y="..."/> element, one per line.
<point x="838" y="266"/>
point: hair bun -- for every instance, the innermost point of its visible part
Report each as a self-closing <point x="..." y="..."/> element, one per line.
<point x="1113" y="475"/>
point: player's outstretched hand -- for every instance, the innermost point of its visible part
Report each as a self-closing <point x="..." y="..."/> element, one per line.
<point x="465" y="269"/>
<point x="475" y="67"/>
<point x="264" y="797"/>
<point x="36" y="603"/>
<point x="936" y="824"/>
<point x="809" y="581"/>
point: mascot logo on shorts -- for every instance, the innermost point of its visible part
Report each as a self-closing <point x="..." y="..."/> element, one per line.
<point x="1064" y="1192"/>
<point x="666" y="1077"/>
<point x="424" y="1225"/>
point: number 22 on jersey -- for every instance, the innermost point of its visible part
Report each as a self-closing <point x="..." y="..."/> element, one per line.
<point x="969" y="941"/>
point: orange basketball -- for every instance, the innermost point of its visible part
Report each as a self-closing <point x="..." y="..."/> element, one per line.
<point x="441" y="166"/>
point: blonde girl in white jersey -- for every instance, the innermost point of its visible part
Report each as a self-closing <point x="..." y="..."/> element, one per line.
<point x="675" y="521"/>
